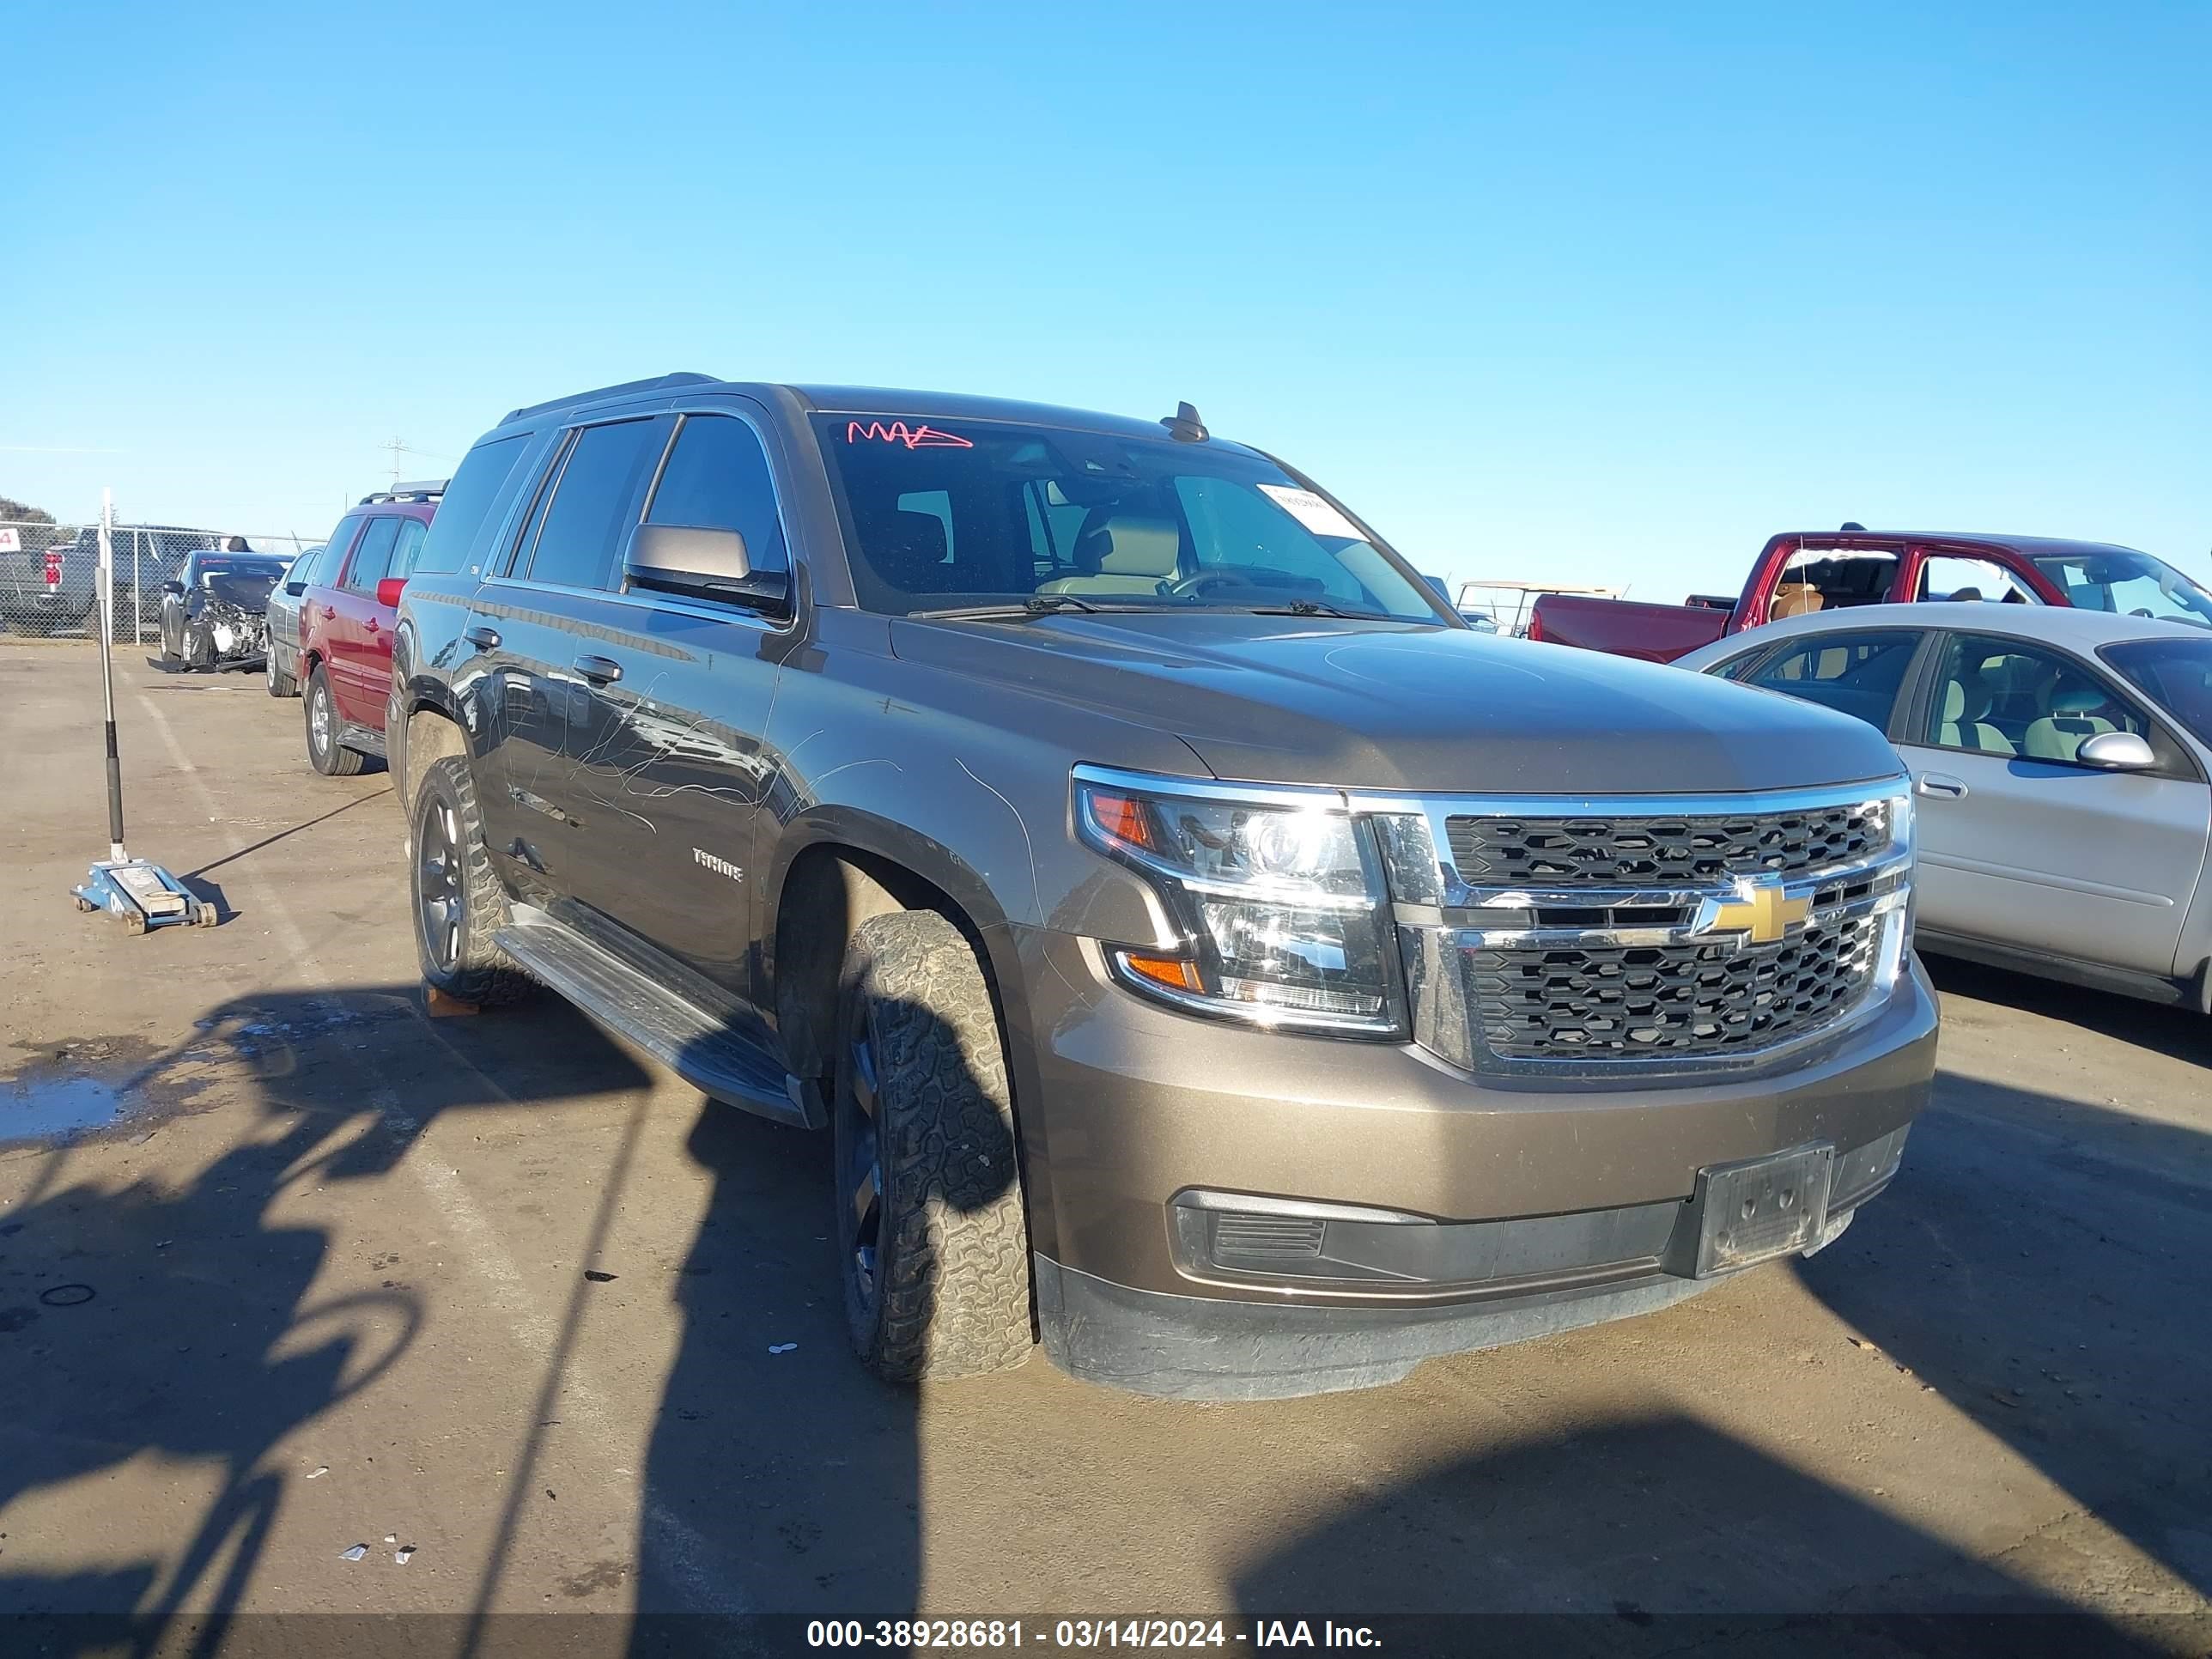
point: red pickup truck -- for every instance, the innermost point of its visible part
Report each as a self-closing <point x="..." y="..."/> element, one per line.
<point x="1801" y="571"/>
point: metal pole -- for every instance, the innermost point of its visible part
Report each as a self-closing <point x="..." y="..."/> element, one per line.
<point x="107" y="670"/>
<point x="138" y="591"/>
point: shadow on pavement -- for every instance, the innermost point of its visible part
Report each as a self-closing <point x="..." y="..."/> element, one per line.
<point x="2052" y="1290"/>
<point x="1725" y="1550"/>
<point x="180" y="1322"/>
<point x="814" y="1525"/>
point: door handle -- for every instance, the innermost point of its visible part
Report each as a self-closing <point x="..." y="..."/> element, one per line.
<point x="329" y="614"/>
<point x="485" y="639"/>
<point x="370" y="624"/>
<point x="600" y="671"/>
<point x="1940" y="785"/>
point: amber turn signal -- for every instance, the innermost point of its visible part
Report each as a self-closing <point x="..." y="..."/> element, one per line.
<point x="1170" y="971"/>
<point x="1122" y="816"/>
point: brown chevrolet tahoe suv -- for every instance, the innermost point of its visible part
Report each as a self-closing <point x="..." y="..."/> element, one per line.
<point x="1208" y="956"/>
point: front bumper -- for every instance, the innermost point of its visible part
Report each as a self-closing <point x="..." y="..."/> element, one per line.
<point x="1558" y="1205"/>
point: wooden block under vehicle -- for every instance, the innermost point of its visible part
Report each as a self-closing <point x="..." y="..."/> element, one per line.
<point x="438" y="1006"/>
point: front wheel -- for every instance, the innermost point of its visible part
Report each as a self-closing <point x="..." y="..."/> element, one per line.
<point x="324" y="752"/>
<point x="199" y="646"/>
<point x="930" y="1225"/>
<point x="458" y="902"/>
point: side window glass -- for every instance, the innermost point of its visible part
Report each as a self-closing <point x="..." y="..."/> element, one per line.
<point x="1832" y="580"/>
<point x="1856" y="674"/>
<point x="1997" y="696"/>
<point x="1943" y="577"/>
<point x="717" y="478"/>
<point x="478" y="495"/>
<point x="372" y="560"/>
<point x="408" y="547"/>
<point x="578" y="538"/>
<point x="517" y="561"/>
<point x="332" y="559"/>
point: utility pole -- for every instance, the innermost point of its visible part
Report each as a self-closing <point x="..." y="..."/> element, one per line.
<point x="399" y="447"/>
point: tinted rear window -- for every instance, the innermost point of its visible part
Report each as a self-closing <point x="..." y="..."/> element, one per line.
<point x="480" y="485"/>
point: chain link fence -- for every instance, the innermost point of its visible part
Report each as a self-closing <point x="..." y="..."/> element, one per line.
<point x="49" y="574"/>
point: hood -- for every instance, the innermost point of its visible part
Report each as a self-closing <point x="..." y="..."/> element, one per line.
<point x="1406" y="707"/>
<point x="247" y="592"/>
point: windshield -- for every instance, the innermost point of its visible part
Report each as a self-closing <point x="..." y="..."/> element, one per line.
<point x="954" y="514"/>
<point x="2132" y="584"/>
<point x="2176" y="674"/>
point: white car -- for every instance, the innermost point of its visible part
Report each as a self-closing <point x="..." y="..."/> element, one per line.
<point x="2061" y="762"/>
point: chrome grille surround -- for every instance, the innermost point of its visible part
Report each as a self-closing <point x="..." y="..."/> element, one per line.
<point x="1585" y="977"/>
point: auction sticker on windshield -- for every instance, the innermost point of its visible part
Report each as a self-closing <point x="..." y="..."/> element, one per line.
<point x="1312" y="511"/>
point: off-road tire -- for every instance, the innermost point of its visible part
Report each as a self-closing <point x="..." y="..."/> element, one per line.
<point x="329" y="756"/>
<point x="950" y="1295"/>
<point x="479" y="972"/>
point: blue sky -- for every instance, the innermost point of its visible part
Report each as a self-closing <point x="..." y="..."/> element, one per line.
<point x="1590" y="293"/>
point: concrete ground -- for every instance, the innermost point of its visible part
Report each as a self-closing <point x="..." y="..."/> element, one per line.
<point x="327" y="1287"/>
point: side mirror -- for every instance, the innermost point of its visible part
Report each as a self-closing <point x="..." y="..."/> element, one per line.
<point x="2116" y="751"/>
<point x="173" y="586"/>
<point x="295" y="588"/>
<point x="702" y="564"/>
<point x="388" y="591"/>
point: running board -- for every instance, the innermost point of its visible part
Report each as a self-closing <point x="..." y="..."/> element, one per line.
<point x="365" y="738"/>
<point x="696" y="1045"/>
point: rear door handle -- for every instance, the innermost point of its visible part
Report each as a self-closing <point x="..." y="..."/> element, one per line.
<point x="1940" y="785"/>
<point x="600" y="671"/>
<point x="485" y="639"/>
<point x="370" y="624"/>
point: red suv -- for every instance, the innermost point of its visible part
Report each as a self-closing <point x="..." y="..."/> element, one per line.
<point x="346" y="614"/>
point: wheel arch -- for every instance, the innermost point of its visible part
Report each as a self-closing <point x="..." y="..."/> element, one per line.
<point x="832" y="872"/>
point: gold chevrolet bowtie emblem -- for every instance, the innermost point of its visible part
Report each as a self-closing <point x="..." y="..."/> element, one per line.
<point x="1763" y="911"/>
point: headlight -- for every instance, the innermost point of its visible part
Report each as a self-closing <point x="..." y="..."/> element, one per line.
<point x="1897" y="945"/>
<point x="1279" y="902"/>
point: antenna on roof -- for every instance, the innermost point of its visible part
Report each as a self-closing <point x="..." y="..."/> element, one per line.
<point x="1184" y="426"/>
<point x="1850" y="524"/>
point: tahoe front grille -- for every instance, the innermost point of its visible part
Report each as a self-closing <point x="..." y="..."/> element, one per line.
<point x="1683" y="1000"/>
<point x="1609" y="852"/>
<point x="1671" y="937"/>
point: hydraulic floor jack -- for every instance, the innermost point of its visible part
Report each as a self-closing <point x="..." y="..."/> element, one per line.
<point x="138" y="893"/>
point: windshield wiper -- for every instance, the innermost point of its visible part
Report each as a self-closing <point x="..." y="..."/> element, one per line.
<point x="1314" y="608"/>
<point x="1037" y="604"/>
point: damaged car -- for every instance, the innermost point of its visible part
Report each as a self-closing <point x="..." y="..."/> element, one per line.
<point x="215" y="609"/>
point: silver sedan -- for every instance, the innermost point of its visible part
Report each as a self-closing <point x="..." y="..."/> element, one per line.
<point x="2060" y="760"/>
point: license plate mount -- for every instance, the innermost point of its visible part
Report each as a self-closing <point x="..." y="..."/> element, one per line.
<point x="1761" y="1208"/>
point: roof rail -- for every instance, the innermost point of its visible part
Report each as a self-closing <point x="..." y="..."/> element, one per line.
<point x="428" y="490"/>
<point x="680" y="378"/>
